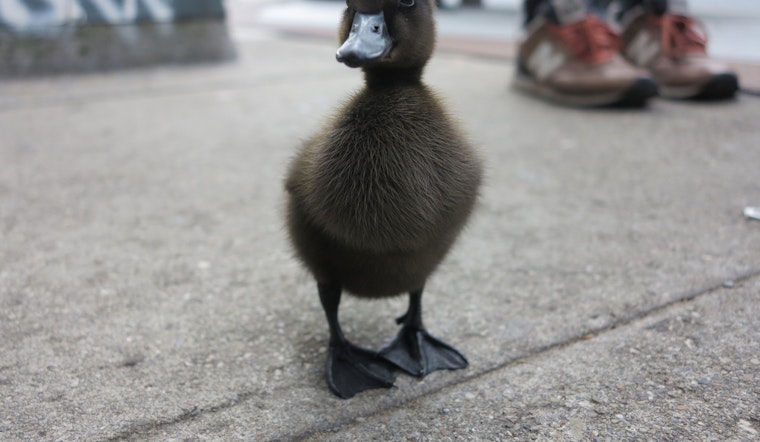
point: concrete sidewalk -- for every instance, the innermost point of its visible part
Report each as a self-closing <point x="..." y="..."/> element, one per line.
<point x="607" y="289"/>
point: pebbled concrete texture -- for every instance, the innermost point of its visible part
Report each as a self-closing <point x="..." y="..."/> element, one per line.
<point x="687" y="372"/>
<point x="147" y="291"/>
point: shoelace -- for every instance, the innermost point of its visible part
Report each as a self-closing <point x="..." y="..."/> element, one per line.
<point x="680" y="36"/>
<point x="590" y="39"/>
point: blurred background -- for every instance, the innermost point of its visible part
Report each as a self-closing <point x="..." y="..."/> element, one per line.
<point x="733" y="25"/>
<point x="56" y="36"/>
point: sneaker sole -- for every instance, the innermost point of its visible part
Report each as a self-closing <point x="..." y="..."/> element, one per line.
<point x="719" y="87"/>
<point x="636" y="95"/>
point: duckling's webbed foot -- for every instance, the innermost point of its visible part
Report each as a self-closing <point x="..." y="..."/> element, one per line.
<point x="350" y="369"/>
<point x="414" y="350"/>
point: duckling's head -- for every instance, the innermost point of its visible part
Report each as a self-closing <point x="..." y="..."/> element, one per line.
<point x="387" y="34"/>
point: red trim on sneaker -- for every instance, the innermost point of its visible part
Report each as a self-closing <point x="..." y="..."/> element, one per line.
<point x="590" y="39"/>
<point x="679" y="35"/>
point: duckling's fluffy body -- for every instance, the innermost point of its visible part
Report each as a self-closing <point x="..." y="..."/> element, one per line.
<point x="380" y="194"/>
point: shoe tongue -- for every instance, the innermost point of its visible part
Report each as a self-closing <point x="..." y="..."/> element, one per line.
<point x="565" y="12"/>
<point x="660" y="7"/>
<point x="678" y="7"/>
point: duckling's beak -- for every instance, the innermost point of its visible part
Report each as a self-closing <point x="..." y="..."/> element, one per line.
<point x="367" y="41"/>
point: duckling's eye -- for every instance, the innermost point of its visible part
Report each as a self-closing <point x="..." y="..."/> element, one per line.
<point x="406" y="3"/>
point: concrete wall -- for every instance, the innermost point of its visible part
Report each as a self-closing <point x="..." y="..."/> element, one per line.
<point x="52" y="36"/>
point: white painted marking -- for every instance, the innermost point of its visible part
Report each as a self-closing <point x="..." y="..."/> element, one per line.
<point x="15" y="14"/>
<point x="113" y="13"/>
<point x="160" y="10"/>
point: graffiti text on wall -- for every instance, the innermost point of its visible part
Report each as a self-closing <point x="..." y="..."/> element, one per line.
<point x="31" y="15"/>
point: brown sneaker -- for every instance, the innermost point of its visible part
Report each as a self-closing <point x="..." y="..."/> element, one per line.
<point x="672" y="46"/>
<point x="572" y="57"/>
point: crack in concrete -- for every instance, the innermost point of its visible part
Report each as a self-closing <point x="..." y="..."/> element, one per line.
<point x="196" y="411"/>
<point x="726" y="284"/>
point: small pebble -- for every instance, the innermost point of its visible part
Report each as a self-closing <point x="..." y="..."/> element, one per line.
<point x="752" y="212"/>
<point x="204" y="265"/>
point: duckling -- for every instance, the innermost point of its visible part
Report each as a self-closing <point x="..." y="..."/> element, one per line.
<point x="379" y="195"/>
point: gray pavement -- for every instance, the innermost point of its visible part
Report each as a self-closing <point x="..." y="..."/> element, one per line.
<point x="607" y="288"/>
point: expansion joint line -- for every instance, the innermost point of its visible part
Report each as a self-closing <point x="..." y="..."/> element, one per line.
<point x="196" y="411"/>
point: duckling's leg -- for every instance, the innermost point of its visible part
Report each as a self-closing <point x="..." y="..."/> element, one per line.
<point x="350" y="369"/>
<point x="414" y="350"/>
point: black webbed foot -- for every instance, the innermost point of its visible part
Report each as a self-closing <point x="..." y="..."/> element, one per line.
<point x="352" y="369"/>
<point x="414" y="350"/>
<point x="418" y="353"/>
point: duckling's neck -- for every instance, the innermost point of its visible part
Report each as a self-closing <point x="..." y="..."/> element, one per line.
<point x="378" y="77"/>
